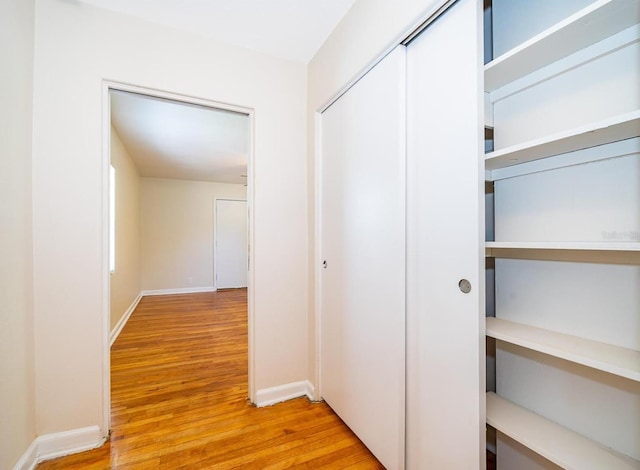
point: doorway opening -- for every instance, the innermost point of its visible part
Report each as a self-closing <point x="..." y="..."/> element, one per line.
<point x="173" y="157"/>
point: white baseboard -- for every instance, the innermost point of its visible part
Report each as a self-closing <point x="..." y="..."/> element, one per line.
<point x="58" y="444"/>
<point x="51" y="446"/>
<point x="183" y="290"/>
<point x="123" y="320"/>
<point x="311" y="391"/>
<point x="29" y="459"/>
<point x="273" y="395"/>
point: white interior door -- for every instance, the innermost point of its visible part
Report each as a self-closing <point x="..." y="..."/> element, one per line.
<point x="231" y="243"/>
<point x="362" y="372"/>
<point x="445" y="243"/>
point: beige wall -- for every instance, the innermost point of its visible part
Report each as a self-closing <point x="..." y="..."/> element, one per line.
<point x="177" y="231"/>
<point x="125" y="280"/>
<point x="77" y="47"/>
<point x="367" y="31"/>
<point x="17" y="403"/>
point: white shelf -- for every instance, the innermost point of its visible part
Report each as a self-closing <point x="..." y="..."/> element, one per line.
<point x="579" y="157"/>
<point x="566" y="246"/>
<point x="556" y="443"/>
<point x="621" y="127"/>
<point x="608" y="252"/>
<point x="613" y="359"/>
<point x="598" y="21"/>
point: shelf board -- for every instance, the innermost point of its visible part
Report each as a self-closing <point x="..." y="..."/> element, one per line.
<point x="556" y="443"/>
<point x="594" y="154"/>
<point x="605" y="357"/>
<point x="566" y="246"/>
<point x="588" y="26"/>
<point x="607" y="252"/>
<point x="621" y="127"/>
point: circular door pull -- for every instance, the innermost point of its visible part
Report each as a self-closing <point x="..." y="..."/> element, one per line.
<point x="465" y="286"/>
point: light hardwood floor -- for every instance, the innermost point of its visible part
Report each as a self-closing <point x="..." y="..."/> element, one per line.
<point x="179" y="399"/>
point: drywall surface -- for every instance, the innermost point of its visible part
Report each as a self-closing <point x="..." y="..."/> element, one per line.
<point x="77" y="48"/>
<point x="125" y="279"/>
<point x="16" y="284"/>
<point x="177" y="231"/>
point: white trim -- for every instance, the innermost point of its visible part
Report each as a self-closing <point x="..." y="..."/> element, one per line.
<point x="106" y="133"/>
<point x="59" y="444"/>
<point x="317" y="262"/>
<point x="154" y="92"/>
<point x="51" y="446"/>
<point x="311" y="392"/>
<point x="123" y="320"/>
<point x="280" y="393"/>
<point x="29" y="459"/>
<point x="251" y="276"/>
<point x="182" y="290"/>
<point x="106" y="272"/>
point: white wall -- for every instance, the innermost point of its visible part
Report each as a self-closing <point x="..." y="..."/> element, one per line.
<point x="125" y="280"/>
<point x="367" y="31"/>
<point x="77" y="47"/>
<point x="17" y="428"/>
<point x="177" y="231"/>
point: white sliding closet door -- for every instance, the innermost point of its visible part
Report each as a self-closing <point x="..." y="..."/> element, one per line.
<point x="445" y="229"/>
<point x="363" y="244"/>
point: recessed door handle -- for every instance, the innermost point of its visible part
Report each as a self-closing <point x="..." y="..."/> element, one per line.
<point x="324" y="264"/>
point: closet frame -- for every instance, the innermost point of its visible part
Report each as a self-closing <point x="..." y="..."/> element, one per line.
<point x="603" y="27"/>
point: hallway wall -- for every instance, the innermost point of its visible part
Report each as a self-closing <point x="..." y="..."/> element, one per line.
<point x="78" y="47"/>
<point x="16" y="269"/>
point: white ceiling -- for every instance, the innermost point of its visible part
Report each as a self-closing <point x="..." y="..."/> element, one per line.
<point x="174" y="140"/>
<point x="288" y="29"/>
<point x="167" y="139"/>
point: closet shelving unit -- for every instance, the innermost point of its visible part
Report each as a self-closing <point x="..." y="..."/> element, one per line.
<point x="524" y="64"/>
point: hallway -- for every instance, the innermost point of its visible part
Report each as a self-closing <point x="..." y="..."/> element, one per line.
<point x="179" y="399"/>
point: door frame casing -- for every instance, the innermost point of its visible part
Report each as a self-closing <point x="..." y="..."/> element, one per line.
<point x="107" y="86"/>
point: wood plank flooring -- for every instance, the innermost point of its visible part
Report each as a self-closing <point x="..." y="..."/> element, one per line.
<point x="179" y="389"/>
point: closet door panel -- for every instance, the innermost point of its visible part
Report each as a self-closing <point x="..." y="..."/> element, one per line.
<point x="445" y="215"/>
<point x="363" y="244"/>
